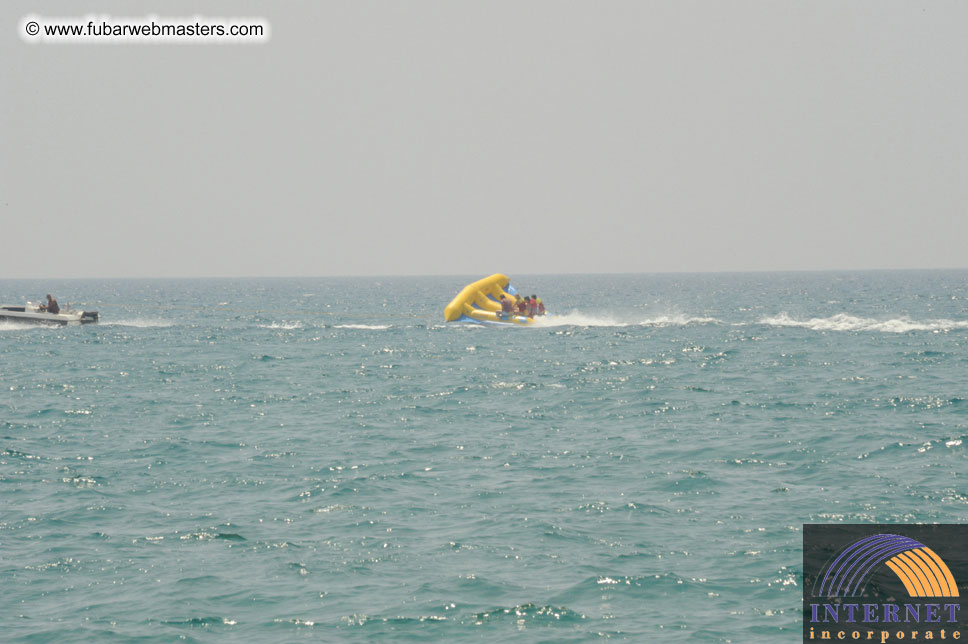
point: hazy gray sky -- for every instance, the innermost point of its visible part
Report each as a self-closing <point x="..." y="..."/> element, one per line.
<point x="373" y="137"/>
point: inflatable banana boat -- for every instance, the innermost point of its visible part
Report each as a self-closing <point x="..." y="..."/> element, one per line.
<point x="480" y="303"/>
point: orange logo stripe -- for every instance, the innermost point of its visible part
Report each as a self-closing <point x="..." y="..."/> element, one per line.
<point x="902" y="575"/>
<point x="930" y="586"/>
<point x="952" y="586"/>
<point x="923" y="573"/>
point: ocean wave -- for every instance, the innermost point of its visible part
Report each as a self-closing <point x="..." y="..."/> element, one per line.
<point x="577" y="318"/>
<point x="847" y="322"/>
<point x="287" y="326"/>
<point x="372" y="327"/>
<point x="533" y="612"/>
<point x="6" y="325"/>
<point x="141" y="323"/>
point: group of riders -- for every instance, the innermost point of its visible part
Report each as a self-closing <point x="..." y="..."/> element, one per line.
<point x="529" y="305"/>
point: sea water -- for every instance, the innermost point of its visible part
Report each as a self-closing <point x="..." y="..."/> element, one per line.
<point x="283" y="460"/>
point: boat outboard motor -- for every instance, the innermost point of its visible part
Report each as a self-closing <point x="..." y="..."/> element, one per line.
<point x="89" y="316"/>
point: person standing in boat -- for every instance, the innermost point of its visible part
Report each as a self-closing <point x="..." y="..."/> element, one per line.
<point x="51" y="306"/>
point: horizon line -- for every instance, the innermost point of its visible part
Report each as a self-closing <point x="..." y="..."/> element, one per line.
<point x="542" y="274"/>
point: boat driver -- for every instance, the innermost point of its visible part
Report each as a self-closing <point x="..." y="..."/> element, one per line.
<point x="51" y="306"/>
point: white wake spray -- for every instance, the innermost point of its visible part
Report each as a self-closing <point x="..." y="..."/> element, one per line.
<point x="577" y="318"/>
<point x="372" y="327"/>
<point x="141" y="323"/>
<point x="846" y="322"/>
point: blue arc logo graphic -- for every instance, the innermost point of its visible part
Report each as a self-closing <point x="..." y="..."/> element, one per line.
<point x="922" y="572"/>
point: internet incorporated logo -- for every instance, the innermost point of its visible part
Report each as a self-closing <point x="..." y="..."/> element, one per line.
<point x="858" y="572"/>
<point x="917" y="566"/>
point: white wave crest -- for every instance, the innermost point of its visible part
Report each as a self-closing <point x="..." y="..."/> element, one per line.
<point x="374" y="327"/>
<point x="141" y="323"/>
<point x="846" y="322"/>
<point x="288" y="326"/>
<point x="7" y="325"/>
<point x="577" y="318"/>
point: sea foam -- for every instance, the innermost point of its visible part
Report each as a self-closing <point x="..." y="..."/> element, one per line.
<point x="141" y="323"/>
<point x="577" y="318"/>
<point x="372" y="327"/>
<point x="847" y="322"/>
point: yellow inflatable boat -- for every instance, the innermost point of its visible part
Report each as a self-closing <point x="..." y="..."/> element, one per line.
<point x="480" y="303"/>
